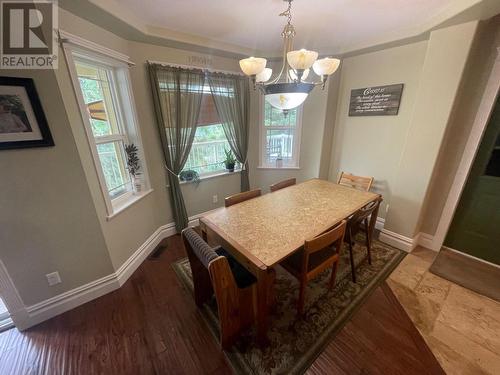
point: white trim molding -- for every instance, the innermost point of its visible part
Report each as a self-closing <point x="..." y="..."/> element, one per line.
<point x="405" y="243"/>
<point x="11" y="298"/>
<point x="65" y="37"/>
<point x="478" y="127"/>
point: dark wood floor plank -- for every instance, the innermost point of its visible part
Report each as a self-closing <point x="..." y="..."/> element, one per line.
<point x="152" y="326"/>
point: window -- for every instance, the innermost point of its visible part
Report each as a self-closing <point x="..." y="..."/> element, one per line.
<point x="280" y="137"/>
<point x="102" y="88"/>
<point x="207" y="152"/>
<point x="97" y="84"/>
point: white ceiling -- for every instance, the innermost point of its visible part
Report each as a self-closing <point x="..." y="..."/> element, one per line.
<point x="329" y="26"/>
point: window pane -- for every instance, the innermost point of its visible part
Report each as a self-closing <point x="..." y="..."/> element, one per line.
<point x="112" y="159"/>
<point x="279" y="143"/>
<point x="96" y="90"/>
<point x="207" y="153"/>
<point x="276" y="117"/>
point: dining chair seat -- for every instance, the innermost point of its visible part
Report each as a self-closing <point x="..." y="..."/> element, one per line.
<point x="294" y="262"/>
<point x="241" y="275"/>
<point x="317" y="254"/>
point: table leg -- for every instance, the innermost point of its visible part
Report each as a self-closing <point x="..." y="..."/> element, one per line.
<point x="263" y="280"/>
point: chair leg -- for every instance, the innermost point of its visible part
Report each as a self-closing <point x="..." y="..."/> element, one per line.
<point x="302" y="296"/>
<point x="334" y="274"/>
<point x="368" y="242"/>
<point x="351" y="256"/>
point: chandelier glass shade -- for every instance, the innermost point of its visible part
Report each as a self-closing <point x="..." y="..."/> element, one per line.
<point x="288" y="89"/>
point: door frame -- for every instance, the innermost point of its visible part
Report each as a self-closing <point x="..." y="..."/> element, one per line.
<point x="483" y="114"/>
<point x="10" y="296"/>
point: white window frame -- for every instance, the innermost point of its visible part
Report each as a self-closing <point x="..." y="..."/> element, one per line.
<point x="263" y="163"/>
<point x="125" y="111"/>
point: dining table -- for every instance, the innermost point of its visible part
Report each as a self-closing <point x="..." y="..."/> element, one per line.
<point x="263" y="231"/>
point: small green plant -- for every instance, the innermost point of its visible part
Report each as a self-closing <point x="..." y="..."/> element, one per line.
<point x="190" y="175"/>
<point x="133" y="165"/>
<point x="230" y="160"/>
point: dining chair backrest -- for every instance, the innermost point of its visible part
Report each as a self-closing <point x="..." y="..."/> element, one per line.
<point x="361" y="215"/>
<point x="212" y="275"/>
<point x="198" y="247"/>
<point x="331" y="237"/>
<point x="282" y="184"/>
<point x="356" y="182"/>
<point x="241" y="197"/>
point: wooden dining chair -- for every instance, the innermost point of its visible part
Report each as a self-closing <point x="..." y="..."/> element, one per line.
<point x="360" y="222"/>
<point x="318" y="254"/>
<point x="282" y="184"/>
<point x="241" y="197"/>
<point x="356" y="182"/>
<point x="215" y="270"/>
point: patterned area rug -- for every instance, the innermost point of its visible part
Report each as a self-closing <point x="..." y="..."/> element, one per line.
<point x="295" y="343"/>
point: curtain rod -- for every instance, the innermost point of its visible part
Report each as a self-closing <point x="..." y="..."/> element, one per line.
<point x="195" y="67"/>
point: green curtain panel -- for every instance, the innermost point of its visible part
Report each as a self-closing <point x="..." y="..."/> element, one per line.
<point x="177" y="95"/>
<point x="231" y="95"/>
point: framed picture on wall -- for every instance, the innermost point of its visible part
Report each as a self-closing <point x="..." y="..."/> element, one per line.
<point x="22" y="121"/>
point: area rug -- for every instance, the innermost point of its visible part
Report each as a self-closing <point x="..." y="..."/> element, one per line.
<point x="296" y="342"/>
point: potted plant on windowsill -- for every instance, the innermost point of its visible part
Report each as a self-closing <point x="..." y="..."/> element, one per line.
<point x="190" y="175"/>
<point x="230" y="160"/>
<point x="133" y="166"/>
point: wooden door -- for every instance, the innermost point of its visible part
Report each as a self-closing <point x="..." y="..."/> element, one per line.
<point x="475" y="228"/>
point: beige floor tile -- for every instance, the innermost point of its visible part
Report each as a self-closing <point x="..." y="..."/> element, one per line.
<point x="452" y="362"/>
<point x="434" y="287"/>
<point x="410" y="271"/>
<point x="472" y="352"/>
<point x="475" y="316"/>
<point x="425" y="254"/>
<point x="422" y="310"/>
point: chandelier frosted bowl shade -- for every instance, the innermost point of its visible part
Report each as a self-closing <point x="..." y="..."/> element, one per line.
<point x="264" y="75"/>
<point x="326" y="66"/>
<point x="252" y="65"/>
<point x="286" y="96"/>
<point x="301" y="59"/>
<point x="287" y="89"/>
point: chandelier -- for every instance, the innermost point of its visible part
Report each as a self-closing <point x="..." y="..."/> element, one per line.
<point x="289" y="88"/>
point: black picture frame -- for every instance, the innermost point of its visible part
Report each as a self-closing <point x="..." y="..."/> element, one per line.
<point x="28" y="115"/>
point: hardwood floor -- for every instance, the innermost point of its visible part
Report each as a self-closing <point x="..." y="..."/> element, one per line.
<point x="151" y="326"/>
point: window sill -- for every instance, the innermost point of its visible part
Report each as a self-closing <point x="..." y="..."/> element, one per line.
<point x="209" y="176"/>
<point x="122" y="206"/>
<point x="269" y="167"/>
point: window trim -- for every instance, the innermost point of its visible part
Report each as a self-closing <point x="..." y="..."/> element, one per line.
<point x="262" y="139"/>
<point x="76" y="46"/>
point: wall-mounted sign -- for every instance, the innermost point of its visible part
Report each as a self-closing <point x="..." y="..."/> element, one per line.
<point x="199" y="60"/>
<point x="376" y="101"/>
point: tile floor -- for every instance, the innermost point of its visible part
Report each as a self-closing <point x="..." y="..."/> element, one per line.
<point x="461" y="327"/>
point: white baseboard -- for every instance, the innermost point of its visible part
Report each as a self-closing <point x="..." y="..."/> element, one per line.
<point x="63" y="302"/>
<point x="426" y="240"/>
<point x="405" y="243"/>
<point x="397" y="240"/>
<point x="66" y="301"/>
<point x="132" y="263"/>
<point x="379" y="224"/>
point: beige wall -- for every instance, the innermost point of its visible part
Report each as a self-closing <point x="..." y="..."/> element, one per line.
<point x="401" y="151"/>
<point x="445" y="58"/>
<point x="372" y="146"/>
<point x="313" y="128"/>
<point x="125" y="232"/>
<point x="476" y="76"/>
<point x="47" y="217"/>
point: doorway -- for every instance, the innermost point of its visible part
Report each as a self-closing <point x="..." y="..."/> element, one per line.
<point x="475" y="226"/>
